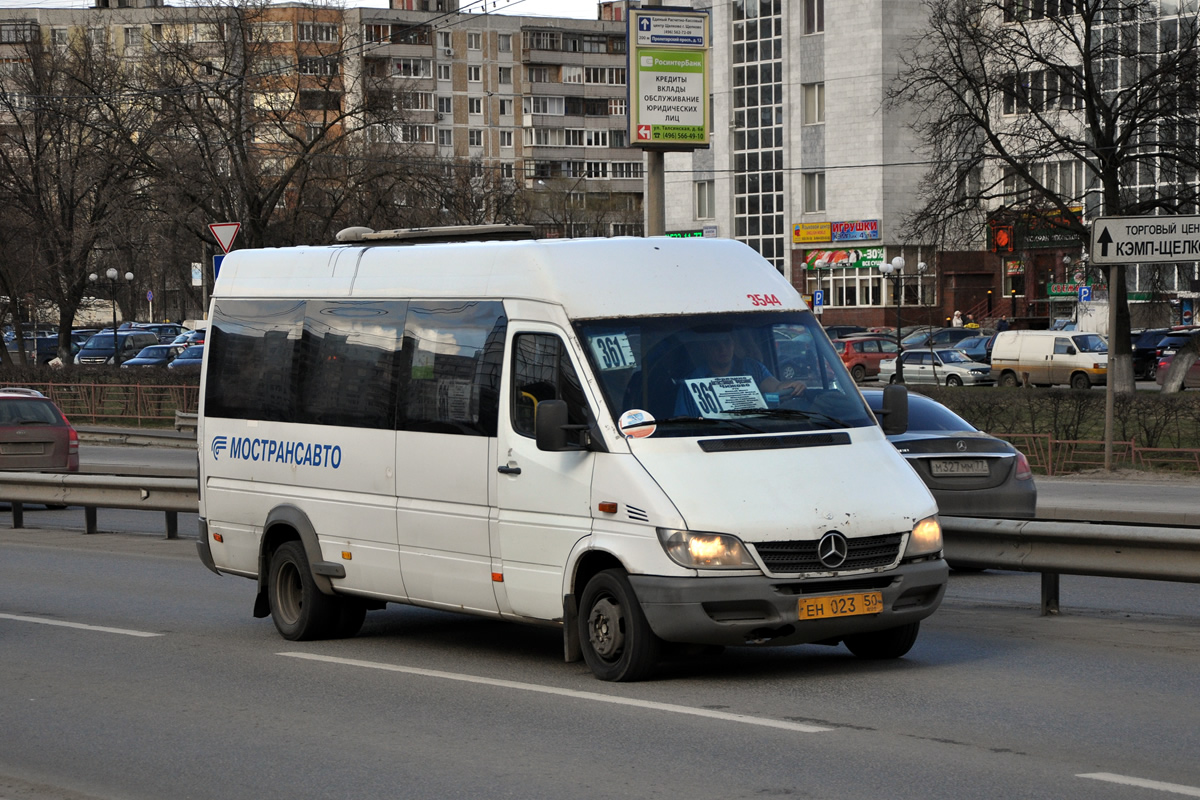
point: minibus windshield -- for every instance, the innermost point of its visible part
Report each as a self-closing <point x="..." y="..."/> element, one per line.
<point x="721" y="374"/>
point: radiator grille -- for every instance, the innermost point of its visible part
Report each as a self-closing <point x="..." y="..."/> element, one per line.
<point x="801" y="556"/>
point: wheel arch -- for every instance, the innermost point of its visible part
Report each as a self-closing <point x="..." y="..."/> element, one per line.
<point x="287" y="523"/>
<point x="584" y="567"/>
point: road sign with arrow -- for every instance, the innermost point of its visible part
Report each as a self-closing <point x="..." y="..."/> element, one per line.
<point x="1145" y="240"/>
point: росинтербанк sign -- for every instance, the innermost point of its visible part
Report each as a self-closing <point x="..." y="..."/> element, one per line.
<point x="668" y="78"/>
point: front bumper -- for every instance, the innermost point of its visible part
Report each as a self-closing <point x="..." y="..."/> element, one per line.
<point x="758" y="610"/>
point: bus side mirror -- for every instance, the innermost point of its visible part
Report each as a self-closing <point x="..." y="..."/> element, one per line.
<point x="895" y="410"/>
<point x="550" y="425"/>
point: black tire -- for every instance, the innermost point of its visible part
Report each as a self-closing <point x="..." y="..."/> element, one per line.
<point x="892" y="379"/>
<point x="879" y="645"/>
<point x="953" y="380"/>
<point x="1151" y="371"/>
<point x="617" y="642"/>
<point x="1009" y="380"/>
<point x="1080" y="381"/>
<point x="859" y="373"/>
<point x="787" y="372"/>
<point x="299" y="610"/>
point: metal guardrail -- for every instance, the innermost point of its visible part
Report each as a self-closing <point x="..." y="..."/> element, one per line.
<point x="1073" y="547"/>
<point x="169" y="495"/>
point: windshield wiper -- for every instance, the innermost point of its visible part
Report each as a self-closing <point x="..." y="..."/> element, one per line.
<point x="793" y="413"/>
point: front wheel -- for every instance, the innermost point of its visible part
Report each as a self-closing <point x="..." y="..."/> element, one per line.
<point x="1080" y="381"/>
<point x="1151" y="372"/>
<point x="953" y="380"/>
<point x="859" y="373"/>
<point x="891" y="643"/>
<point x="616" y="640"/>
<point x="298" y="609"/>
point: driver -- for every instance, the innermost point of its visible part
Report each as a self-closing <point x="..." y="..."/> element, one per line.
<point x="719" y="362"/>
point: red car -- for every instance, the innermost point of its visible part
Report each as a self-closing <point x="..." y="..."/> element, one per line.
<point x="35" y="436"/>
<point x="1191" y="378"/>
<point x="862" y="354"/>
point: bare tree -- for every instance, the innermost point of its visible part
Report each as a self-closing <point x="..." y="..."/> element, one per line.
<point x="1066" y="108"/>
<point x="68" y="173"/>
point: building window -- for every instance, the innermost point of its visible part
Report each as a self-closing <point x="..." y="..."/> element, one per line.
<point x="474" y="74"/>
<point x="474" y="105"/>
<point x="814" y="103"/>
<point x="506" y="108"/>
<point x="506" y="139"/>
<point x="544" y="105"/>
<point x="618" y="107"/>
<point x="318" y="66"/>
<point x="445" y="137"/>
<point x="443" y="72"/>
<point x="597" y="169"/>
<point x="444" y="41"/>
<point x="318" y="32"/>
<point x="627" y="169"/>
<point x="412" y="68"/>
<point x="706" y="199"/>
<point x="814" y="16"/>
<point x="445" y="105"/>
<point x="572" y="74"/>
<point x="814" y="192"/>
<point x="538" y="75"/>
<point x="505" y="42"/>
<point x="475" y="137"/>
<point x="474" y="41"/>
<point x="505" y="74"/>
<point x="60" y="37"/>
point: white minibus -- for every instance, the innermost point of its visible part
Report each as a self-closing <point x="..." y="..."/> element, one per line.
<point x="640" y="440"/>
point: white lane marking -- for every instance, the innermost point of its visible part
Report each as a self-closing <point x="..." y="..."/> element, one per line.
<point x="79" y="625"/>
<point x="600" y="698"/>
<point x="1141" y="783"/>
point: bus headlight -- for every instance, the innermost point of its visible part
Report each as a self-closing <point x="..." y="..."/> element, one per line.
<point x="926" y="538"/>
<point x="705" y="550"/>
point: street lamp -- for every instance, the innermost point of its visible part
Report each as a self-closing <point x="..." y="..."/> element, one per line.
<point x="823" y="263"/>
<point x="895" y="271"/>
<point x="112" y="274"/>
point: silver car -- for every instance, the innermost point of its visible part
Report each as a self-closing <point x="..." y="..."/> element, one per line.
<point x="945" y="367"/>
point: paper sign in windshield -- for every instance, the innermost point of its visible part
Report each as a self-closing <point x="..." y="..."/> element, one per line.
<point x="613" y="351"/>
<point x="715" y="396"/>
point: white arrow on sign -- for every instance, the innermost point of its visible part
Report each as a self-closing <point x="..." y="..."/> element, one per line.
<point x="1146" y="240"/>
<point x="225" y="233"/>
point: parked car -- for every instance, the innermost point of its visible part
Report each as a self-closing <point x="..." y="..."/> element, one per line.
<point x="840" y="331"/>
<point x="165" y="331"/>
<point x="862" y="355"/>
<point x="1191" y="378"/>
<point x="189" y="338"/>
<point x="156" y="355"/>
<point x="945" y="367"/>
<point x="794" y="352"/>
<point x="938" y="337"/>
<point x="1145" y="351"/>
<point x="977" y="348"/>
<point x="969" y="473"/>
<point x="1172" y="340"/>
<point x="1047" y="358"/>
<point x="99" y="348"/>
<point x="79" y="337"/>
<point x="39" y="347"/>
<point x="189" y="360"/>
<point x="35" y="435"/>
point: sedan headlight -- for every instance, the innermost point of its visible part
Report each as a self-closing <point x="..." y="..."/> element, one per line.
<point x="705" y="550"/>
<point x="926" y="538"/>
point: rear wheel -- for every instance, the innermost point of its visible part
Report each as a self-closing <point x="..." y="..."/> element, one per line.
<point x="858" y="372"/>
<point x="616" y="640"/>
<point x="953" y="380"/>
<point x="298" y="608"/>
<point x="891" y="643"/>
<point x="1080" y="381"/>
<point x="1008" y="380"/>
<point x="1151" y="371"/>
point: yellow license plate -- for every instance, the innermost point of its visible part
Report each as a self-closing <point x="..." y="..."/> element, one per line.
<point x="841" y="605"/>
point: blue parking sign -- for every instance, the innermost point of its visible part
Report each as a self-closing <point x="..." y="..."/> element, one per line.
<point x="1085" y="294"/>
<point x="819" y="297"/>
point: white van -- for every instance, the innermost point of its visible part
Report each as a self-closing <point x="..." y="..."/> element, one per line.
<point x="580" y="433"/>
<point x="1048" y="358"/>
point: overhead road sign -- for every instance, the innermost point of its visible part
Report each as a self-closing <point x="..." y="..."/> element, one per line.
<point x="1145" y="240"/>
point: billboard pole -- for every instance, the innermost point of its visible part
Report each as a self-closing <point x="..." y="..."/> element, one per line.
<point x="656" y="182"/>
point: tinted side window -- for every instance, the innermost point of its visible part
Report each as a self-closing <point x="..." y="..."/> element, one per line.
<point x="253" y="370"/>
<point x="351" y="363"/>
<point x="542" y="370"/>
<point x="454" y="352"/>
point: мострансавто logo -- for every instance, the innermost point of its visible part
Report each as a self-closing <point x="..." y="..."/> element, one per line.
<point x="301" y="454"/>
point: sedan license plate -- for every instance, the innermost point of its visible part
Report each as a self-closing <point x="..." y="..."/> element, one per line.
<point x="841" y="605"/>
<point x="22" y="449"/>
<point x="959" y="466"/>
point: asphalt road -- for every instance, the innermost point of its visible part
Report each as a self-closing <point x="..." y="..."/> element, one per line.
<point x="130" y="671"/>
